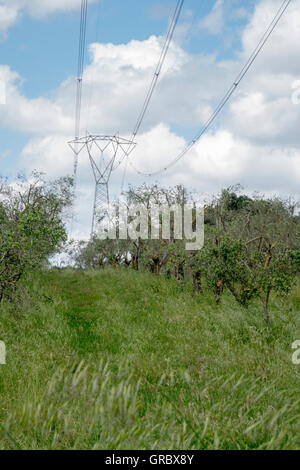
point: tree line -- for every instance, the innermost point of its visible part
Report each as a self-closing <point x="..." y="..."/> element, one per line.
<point x="251" y="249"/>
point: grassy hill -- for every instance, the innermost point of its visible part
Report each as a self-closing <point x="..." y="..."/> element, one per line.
<point x="117" y="359"/>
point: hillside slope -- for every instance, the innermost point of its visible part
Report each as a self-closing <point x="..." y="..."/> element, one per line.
<point x="122" y="360"/>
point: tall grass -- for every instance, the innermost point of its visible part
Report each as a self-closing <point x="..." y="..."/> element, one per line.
<point x="124" y="360"/>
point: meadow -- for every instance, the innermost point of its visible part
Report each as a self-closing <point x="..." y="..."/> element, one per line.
<point x="119" y="359"/>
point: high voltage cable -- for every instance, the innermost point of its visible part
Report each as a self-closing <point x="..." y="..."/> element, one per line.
<point x="159" y="66"/>
<point x="165" y="49"/>
<point x="229" y="93"/>
<point x="81" y="55"/>
<point x="92" y="86"/>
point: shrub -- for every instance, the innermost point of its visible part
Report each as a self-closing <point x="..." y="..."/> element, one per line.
<point x="32" y="228"/>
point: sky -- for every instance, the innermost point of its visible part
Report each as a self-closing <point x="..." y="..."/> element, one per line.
<point x="254" y="142"/>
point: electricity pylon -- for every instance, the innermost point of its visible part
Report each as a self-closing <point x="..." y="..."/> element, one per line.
<point x="105" y="153"/>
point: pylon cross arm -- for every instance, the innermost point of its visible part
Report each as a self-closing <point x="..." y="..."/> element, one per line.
<point x="103" y="152"/>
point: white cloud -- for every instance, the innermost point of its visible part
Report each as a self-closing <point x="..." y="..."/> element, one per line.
<point x="12" y="10"/>
<point x="280" y="53"/>
<point x="8" y="16"/>
<point x="263" y="110"/>
<point x="46" y="7"/>
<point x="257" y="143"/>
<point x="222" y="159"/>
<point x="48" y="154"/>
<point x="37" y="116"/>
<point x="214" y="21"/>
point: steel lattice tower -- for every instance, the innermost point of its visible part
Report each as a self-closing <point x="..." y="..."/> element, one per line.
<point x="105" y="153"/>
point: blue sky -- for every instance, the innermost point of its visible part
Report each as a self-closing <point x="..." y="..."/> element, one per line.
<point x="43" y="51"/>
<point x="254" y="142"/>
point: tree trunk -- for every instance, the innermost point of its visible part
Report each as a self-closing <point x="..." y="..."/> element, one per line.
<point x="265" y="302"/>
<point x="180" y="271"/>
<point x="266" y="305"/>
<point x="236" y="295"/>
<point x="135" y="262"/>
<point x="218" y="290"/>
<point x="197" y="284"/>
<point x="156" y="266"/>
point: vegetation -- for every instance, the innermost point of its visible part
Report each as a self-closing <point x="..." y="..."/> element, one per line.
<point x="118" y="359"/>
<point x="31" y="226"/>
<point x="164" y="348"/>
<point x="252" y="246"/>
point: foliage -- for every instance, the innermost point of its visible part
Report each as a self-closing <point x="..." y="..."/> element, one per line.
<point x="31" y="226"/>
<point x="115" y="359"/>
<point x="251" y="245"/>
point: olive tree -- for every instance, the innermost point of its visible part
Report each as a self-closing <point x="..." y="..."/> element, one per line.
<point x="251" y="248"/>
<point x="32" y="227"/>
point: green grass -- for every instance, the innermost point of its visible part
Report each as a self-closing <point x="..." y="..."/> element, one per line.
<point x="123" y="360"/>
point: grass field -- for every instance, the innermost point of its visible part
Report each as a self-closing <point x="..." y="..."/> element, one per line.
<point x="122" y="360"/>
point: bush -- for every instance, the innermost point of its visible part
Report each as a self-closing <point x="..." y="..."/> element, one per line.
<point x="32" y="228"/>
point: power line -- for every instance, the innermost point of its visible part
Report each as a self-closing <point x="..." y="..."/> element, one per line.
<point x="229" y="93"/>
<point x="165" y="49"/>
<point x="81" y="56"/>
<point x="159" y="66"/>
<point x="92" y="86"/>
